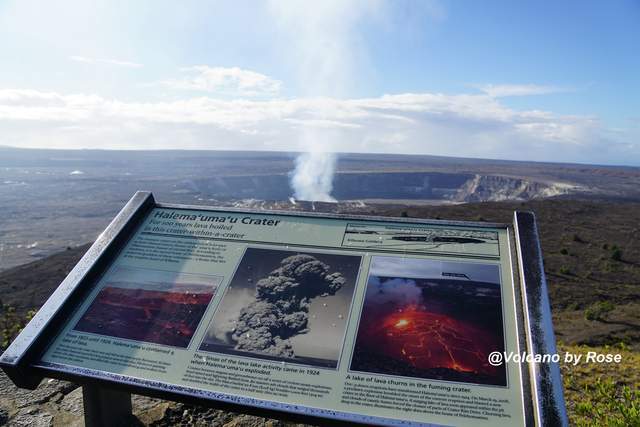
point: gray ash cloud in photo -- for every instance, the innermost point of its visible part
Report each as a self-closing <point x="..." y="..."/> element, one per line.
<point x="281" y="308"/>
<point x="286" y="305"/>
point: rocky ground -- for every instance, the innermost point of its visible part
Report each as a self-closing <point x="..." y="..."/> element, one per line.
<point x="59" y="403"/>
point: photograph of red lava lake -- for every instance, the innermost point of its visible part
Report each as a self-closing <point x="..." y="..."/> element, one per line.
<point x="431" y="319"/>
<point x="151" y="306"/>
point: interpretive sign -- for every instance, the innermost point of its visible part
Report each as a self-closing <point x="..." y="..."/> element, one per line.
<point x="322" y="318"/>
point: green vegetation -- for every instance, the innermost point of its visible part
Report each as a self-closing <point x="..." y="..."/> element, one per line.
<point x="11" y="323"/>
<point x="601" y="394"/>
<point x="599" y="310"/>
<point x="565" y="270"/>
<point x="573" y="306"/>
<point x="564" y="251"/>
<point x="616" y="254"/>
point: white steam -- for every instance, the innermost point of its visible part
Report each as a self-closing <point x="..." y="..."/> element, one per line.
<point x="312" y="179"/>
<point x="323" y="46"/>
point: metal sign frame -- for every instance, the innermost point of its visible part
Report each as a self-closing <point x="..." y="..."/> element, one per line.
<point x="541" y="382"/>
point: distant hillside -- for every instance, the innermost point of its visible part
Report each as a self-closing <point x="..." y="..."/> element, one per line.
<point x="28" y="286"/>
<point x="52" y="199"/>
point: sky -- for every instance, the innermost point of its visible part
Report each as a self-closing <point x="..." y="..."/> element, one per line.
<point x="398" y="267"/>
<point x="161" y="280"/>
<point x="544" y="80"/>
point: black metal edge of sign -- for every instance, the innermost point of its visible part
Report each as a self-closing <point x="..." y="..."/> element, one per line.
<point x="28" y="345"/>
<point x="546" y="380"/>
<point x="527" y="400"/>
<point x="542" y="388"/>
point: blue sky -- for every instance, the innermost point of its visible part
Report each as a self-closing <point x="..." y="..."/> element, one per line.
<point x="549" y="81"/>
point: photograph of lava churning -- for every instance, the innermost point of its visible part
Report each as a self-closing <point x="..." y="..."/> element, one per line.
<point x="431" y="319"/>
<point x="286" y="306"/>
<point x="159" y="307"/>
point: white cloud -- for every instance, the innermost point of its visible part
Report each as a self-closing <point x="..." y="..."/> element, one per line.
<point x="466" y="125"/>
<point x="504" y="90"/>
<point x="96" y="61"/>
<point x="225" y="81"/>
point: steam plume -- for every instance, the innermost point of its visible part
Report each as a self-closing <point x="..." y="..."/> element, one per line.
<point x="323" y="44"/>
<point x="312" y="179"/>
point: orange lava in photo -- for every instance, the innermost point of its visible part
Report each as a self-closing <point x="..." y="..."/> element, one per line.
<point x="432" y="327"/>
<point x="428" y="340"/>
<point x="153" y="306"/>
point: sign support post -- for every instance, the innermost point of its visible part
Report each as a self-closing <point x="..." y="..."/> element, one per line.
<point x="104" y="407"/>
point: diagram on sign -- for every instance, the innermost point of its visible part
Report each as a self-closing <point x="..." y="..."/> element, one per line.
<point x="287" y="306"/>
<point x="421" y="239"/>
<point x="160" y="307"/>
<point x="431" y="319"/>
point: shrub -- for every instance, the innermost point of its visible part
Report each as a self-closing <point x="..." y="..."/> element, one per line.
<point x="599" y="310"/>
<point x="564" y="251"/>
<point x="616" y="254"/>
<point x="602" y="394"/>
<point x="11" y="323"/>
<point x="565" y="270"/>
<point x="573" y="306"/>
<point x="620" y="406"/>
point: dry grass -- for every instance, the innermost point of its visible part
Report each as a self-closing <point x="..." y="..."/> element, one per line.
<point x="601" y="394"/>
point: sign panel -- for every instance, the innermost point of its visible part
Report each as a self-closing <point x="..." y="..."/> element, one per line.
<point x="370" y="321"/>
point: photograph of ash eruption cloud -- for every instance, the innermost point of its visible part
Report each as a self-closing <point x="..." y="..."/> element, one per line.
<point x="431" y="319"/>
<point x="160" y="307"/>
<point x="286" y="306"/>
